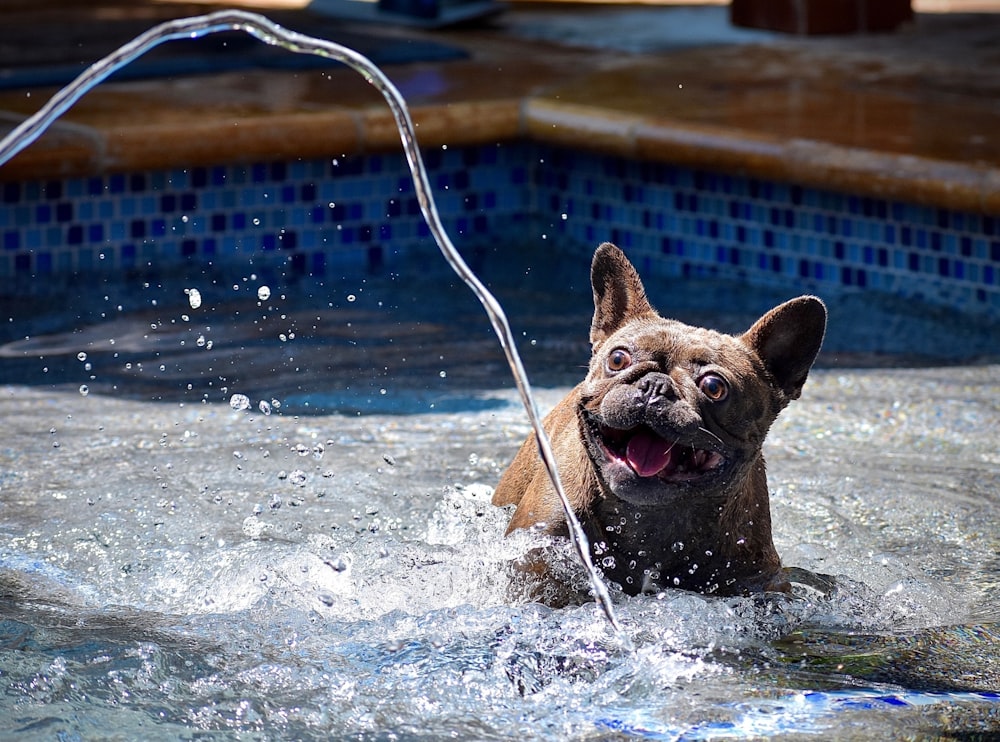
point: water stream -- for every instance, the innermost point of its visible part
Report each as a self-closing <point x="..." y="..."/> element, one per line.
<point x="271" y="33"/>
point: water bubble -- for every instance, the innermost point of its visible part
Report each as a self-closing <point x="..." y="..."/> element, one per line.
<point x="84" y="390"/>
<point x="264" y="407"/>
<point x="351" y="297"/>
<point x="339" y="564"/>
<point x="194" y="297"/>
<point x="297" y="477"/>
<point x="200" y="342"/>
<point x="275" y="502"/>
<point x="81" y="356"/>
<point x="300" y="449"/>
<point x="318" y="450"/>
<point x="443" y="374"/>
<point x="239" y="402"/>
<point x="264" y="293"/>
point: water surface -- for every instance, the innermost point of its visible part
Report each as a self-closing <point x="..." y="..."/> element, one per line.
<point x="328" y="564"/>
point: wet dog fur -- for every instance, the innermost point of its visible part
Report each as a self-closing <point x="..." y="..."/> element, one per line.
<point x="659" y="448"/>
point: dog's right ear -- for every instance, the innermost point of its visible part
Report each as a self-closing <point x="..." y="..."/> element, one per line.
<point x="619" y="296"/>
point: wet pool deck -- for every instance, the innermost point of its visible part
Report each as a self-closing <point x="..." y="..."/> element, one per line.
<point x="913" y="115"/>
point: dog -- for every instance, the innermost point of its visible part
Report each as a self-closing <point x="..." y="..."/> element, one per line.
<point x="659" y="448"/>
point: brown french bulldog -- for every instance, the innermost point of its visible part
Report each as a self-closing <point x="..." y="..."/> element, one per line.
<point x="659" y="448"/>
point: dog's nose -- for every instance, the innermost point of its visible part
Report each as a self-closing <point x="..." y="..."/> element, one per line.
<point x="657" y="387"/>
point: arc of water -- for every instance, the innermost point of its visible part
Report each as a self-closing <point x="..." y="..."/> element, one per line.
<point x="271" y="33"/>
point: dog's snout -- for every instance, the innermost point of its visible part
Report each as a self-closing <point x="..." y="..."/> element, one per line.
<point x="656" y="387"/>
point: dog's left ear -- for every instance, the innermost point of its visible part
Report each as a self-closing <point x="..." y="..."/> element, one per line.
<point x="619" y="296"/>
<point x="787" y="339"/>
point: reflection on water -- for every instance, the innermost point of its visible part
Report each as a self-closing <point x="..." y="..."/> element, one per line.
<point x="328" y="563"/>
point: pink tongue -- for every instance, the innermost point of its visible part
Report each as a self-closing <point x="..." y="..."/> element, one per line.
<point x="647" y="453"/>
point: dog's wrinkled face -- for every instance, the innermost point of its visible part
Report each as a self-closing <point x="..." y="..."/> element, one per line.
<point x="670" y="411"/>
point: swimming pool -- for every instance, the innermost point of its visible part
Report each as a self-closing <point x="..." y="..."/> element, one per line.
<point x="245" y="488"/>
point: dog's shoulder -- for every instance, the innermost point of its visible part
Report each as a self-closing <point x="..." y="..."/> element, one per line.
<point x="526" y="482"/>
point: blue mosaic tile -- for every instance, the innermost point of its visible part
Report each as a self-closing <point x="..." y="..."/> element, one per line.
<point x="315" y="214"/>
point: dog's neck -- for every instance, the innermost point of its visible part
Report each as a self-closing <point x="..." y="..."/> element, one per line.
<point x="721" y="546"/>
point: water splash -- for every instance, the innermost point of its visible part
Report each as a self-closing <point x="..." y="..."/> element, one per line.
<point x="271" y="33"/>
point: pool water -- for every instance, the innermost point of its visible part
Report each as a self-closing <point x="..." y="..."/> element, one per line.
<point x="322" y="560"/>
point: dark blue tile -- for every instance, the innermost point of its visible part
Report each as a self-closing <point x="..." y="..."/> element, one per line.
<point x="53" y="190"/>
<point x="11" y="240"/>
<point x="137" y="183"/>
<point x="22" y="263"/>
<point x="116" y="183"/>
<point x="43" y="214"/>
<point x="74" y="235"/>
<point x="11" y="193"/>
<point x="199" y="177"/>
<point x="317" y="263"/>
<point x="64" y="212"/>
<point x="43" y="262"/>
<point x="95" y="233"/>
<point x="189" y="248"/>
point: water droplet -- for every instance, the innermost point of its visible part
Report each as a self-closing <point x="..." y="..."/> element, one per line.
<point x="443" y="374"/>
<point x="300" y="449"/>
<point x="194" y="297"/>
<point x="318" y="450"/>
<point x="275" y="502"/>
<point x="264" y="407"/>
<point x="264" y="293"/>
<point x="297" y="477"/>
<point x="200" y="342"/>
<point x="81" y="356"/>
<point x="84" y="390"/>
<point x="351" y="297"/>
<point x="239" y="402"/>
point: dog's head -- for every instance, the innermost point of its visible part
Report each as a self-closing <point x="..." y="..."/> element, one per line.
<point x="669" y="411"/>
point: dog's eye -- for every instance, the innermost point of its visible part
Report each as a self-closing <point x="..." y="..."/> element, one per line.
<point x="714" y="387"/>
<point x="619" y="360"/>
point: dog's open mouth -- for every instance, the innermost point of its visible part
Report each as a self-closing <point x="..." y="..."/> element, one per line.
<point x="649" y="454"/>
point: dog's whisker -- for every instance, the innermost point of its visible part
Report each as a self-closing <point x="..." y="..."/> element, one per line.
<point x="709" y="432"/>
